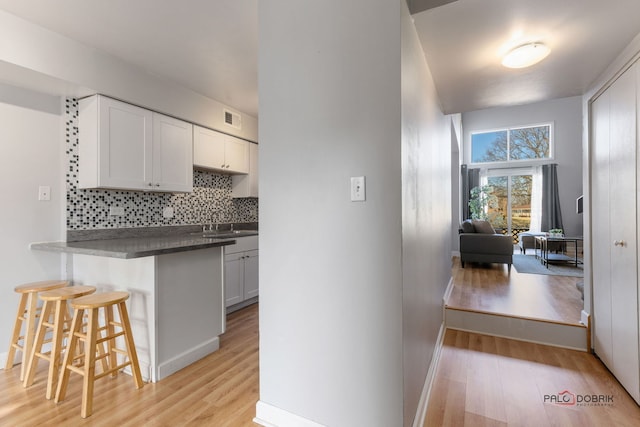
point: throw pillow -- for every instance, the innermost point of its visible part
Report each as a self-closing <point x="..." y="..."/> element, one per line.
<point x="483" y="227"/>
<point x="467" y="226"/>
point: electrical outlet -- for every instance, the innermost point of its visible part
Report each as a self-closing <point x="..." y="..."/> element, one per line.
<point x="116" y="210"/>
<point x="358" y="189"/>
<point x="167" y="212"/>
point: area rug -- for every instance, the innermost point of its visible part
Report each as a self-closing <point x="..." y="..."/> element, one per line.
<point x="531" y="265"/>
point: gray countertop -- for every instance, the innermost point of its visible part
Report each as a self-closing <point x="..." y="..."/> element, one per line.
<point x="135" y="247"/>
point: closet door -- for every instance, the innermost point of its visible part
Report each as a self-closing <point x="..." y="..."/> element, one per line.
<point x="614" y="228"/>
<point x="601" y="247"/>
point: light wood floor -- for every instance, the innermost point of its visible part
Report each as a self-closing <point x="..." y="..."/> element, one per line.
<point x="489" y="288"/>
<point x="480" y="381"/>
<point x="220" y="390"/>
<point x="489" y="381"/>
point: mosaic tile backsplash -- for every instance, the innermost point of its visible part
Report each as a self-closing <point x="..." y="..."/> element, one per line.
<point x="210" y="201"/>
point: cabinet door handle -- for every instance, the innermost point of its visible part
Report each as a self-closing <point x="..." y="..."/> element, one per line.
<point x="150" y="184"/>
<point x="158" y="185"/>
<point x="620" y="243"/>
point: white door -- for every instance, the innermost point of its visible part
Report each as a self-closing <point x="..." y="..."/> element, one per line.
<point x="125" y="152"/>
<point x="251" y="274"/>
<point x="614" y="184"/>
<point x="233" y="279"/>
<point x="172" y="154"/>
<point x="601" y="246"/>
<point x="624" y="284"/>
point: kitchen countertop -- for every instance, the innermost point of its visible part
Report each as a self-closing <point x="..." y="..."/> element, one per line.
<point x="136" y="247"/>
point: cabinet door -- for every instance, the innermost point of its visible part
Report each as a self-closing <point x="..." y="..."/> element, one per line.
<point x="236" y="155"/>
<point x="172" y="154"/>
<point x="247" y="185"/>
<point x="125" y="145"/>
<point x="250" y="274"/>
<point x="233" y="279"/>
<point x="208" y="148"/>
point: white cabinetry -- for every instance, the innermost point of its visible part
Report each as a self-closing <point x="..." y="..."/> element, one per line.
<point x="220" y="152"/>
<point x="614" y="211"/>
<point x="241" y="271"/>
<point x="123" y="146"/>
<point x="247" y="185"/>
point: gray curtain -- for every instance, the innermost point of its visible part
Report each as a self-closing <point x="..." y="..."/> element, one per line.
<point x="551" y="216"/>
<point x="470" y="179"/>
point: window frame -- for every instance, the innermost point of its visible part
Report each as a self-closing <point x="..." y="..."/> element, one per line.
<point x="513" y="162"/>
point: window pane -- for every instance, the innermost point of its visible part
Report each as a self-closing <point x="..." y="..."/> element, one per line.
<point x="489" y="147"/>
<point x="529" y="143"/>
<point x="498" y="199"/>
<point x="521" y="202"/>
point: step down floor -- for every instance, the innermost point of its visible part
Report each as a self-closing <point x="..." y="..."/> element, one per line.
<point x="573" y="336"/>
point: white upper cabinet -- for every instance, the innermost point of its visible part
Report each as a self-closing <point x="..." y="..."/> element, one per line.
<point x="220" y="152"/>
<point x="247" y="185"/>
<point x="123" y="146"/>
<point x="172" y="154"/>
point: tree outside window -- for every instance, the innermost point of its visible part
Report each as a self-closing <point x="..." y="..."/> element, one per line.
<point x="515" y="144"/>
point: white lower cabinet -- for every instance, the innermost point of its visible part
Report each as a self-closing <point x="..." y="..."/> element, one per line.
<point x="241" y="271"/>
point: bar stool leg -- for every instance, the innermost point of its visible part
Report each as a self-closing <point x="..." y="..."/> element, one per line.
<point x="76" y="325"/>
<point x="90" y="364"/>
<point x="112" y="355"/>
<point x="30" y="331"/>
<point x="131" y="348"/>
<point x="16" y="331"/>
<point x="56" y="347"/>
<point x="32" y="364"/>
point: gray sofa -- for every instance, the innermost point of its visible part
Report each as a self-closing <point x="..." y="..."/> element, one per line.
<point x="480" y="243"/>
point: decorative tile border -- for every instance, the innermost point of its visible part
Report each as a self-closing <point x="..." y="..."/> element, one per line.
<point x="210" y="201"/>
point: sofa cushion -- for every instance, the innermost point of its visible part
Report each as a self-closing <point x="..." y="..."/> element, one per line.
<point x="467" y="226"/>
<point x="483" y="227"/>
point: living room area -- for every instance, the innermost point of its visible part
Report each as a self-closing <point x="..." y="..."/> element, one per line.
<point x="511" y="159"/>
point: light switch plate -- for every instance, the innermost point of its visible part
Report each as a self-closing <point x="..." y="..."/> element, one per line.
<point x="358" y="193"/>
<point x="44" y="193"/>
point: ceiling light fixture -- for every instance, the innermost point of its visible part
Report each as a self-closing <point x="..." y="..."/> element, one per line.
<point x="525" y="55"/>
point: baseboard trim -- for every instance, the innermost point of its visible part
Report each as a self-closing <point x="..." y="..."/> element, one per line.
<point x="187" y="358"/>
<point x="423" y="403"/>
<point x="271" y="416"/>
<point x="4" y="356"/>
<point x="447" y="292"/>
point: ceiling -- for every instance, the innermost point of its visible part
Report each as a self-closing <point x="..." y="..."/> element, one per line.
<point x="211" y="46"/>
<point x="464" y="42"/>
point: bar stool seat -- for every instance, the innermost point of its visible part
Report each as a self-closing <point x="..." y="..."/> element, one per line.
<point x="93" y="339"/>
<point x="57" y="299"/>
<point x="27" y="313"/>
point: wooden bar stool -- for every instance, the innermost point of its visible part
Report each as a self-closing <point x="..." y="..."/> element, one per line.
<point x="93" y="336"/>
<point x="52" y="300"/>
<point x="27" y="313"/>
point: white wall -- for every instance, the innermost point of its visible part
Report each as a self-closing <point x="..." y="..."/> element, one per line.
<point x="41" y="58"/>
<point x="350" y="292"/>
<point x="426" y="226"/>
<point x="566" y="114"/>
<point x="330" y="269"/>
<point x="31" y="155"/>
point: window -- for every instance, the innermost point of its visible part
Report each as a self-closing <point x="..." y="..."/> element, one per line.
<point x="511" y="145"/>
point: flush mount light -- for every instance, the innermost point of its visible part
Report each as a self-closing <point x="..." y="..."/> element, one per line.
<point x="525" y="55"/>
